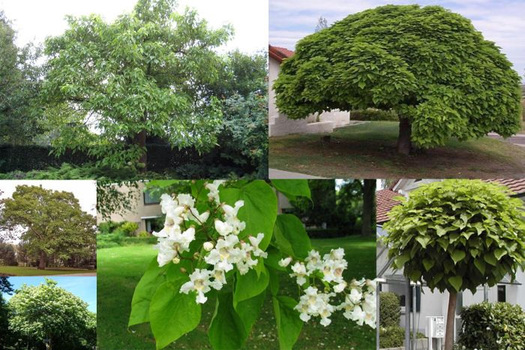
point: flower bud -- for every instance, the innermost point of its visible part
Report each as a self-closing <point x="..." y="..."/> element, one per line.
<point x="285" y="262"/>
<point x="208" y="246"/>
<point x="176" y="260"/>
<point x="183" y="270"/>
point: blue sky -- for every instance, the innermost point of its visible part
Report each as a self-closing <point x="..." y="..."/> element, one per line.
<point x="83" y="287"/>
<point x="499" y="21"/>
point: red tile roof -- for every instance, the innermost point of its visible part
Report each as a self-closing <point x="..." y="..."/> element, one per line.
<point x="279" y="53"/>
<point x="384" y="203"/>
<point x="515" y="185"/>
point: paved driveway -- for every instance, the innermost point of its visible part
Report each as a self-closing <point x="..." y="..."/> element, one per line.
<point x="281" y="174"/>
<point x="518" y="140"/>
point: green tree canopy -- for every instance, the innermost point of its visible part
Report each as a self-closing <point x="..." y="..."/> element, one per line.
<point x="49" y="312"/>
<point x="456" y="235"/>
<point x="52" y="223"/>
<point x="429" y="65"/>
<point x="20" y="109"/>
<point x="111" y="85"/>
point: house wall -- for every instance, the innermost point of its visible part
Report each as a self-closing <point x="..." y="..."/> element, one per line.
<point x="139" y="212"/>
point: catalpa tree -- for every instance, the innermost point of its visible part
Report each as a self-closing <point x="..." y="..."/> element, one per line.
<point x="428" y="65"/>
<point x="456" y="235"/>
<point x="111" y="85"/>
<point x="224" y="243"/>
<point x="48" y="223"/>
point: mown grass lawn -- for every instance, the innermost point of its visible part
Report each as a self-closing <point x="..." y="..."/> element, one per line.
<point x="33" y="271"/>
<point x="120" y="268"/>
<point x="369" y="151"/>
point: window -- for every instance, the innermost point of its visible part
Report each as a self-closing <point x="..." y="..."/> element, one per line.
<point x="151" y="198"/>
<point x="502" y="293"/>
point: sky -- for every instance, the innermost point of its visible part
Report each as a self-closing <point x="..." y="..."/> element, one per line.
<point x="500" y="21"/>
<point x="35" y="20"/>
<point x="83" y="287"/>
<point x="84" y="190"/>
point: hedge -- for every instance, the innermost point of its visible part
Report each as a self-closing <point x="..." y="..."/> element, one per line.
<point x="160" y="157"/>
<point x="492" y="326"/>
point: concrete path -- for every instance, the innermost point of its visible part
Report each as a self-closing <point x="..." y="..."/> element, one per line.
<point x="518" y="140"/>
<point x="281" y="174"/>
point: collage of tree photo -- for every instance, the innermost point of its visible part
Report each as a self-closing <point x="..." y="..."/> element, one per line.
<point x="265" y="174"/>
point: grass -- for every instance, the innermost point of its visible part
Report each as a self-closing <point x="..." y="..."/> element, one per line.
<point x="369" y="151"/>
<point x="120" y="269"/>
<point x="33" y="271"/>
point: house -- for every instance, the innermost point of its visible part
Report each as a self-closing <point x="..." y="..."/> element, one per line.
<point x="279" y="124"/>
<point x="145" y="209"/>
<point x="429" y="303"/>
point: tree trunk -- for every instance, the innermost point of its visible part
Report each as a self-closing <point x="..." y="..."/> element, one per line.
<point x="404" y="143"/>
<point x="451" y="318"/>
<point x="140" y="140"/>
<point x="42" y="261"/>
<point x="368" y="207"/>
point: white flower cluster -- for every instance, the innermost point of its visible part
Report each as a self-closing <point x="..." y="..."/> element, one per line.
<point x="224" y="251"/>
<point x="359" y="296"/>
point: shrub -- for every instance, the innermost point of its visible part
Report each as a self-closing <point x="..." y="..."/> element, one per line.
<point x="372" y="114"/>
<point x="127" y="228"/>
<point x="109" y="240"/>
<point x="389" y="309"/>
<point x="391" y="337"/>
<point x="493" y="326"/>
<point x="143" y="234"/>
<point x="108" y="227"/>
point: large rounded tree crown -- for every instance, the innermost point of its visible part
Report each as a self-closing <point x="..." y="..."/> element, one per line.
<point x="457" y="234"/>
<point x="429" y="65"/>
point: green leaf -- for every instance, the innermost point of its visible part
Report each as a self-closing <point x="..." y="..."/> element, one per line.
<point x="498" y="253"/>
<point x="250" y="285"/>
<point x="227" y="331"/>
<point x="423" y="240"/>
<point x="291" y="237"/>
<point x="480" y="265"/>
<point x="292" y="188"/>
<point x="456" y="282"/>
<point x="144" y="291"/>
<point x="274" y="281"/>
<point x="428" y="264"/>
<point x="249" y="310"/>
<point x="402" y="259"/>
<point x="490" y="258"/>
<point x="457" y="255"/>
<point x="172" y="314"/>
<point x="289" y="324"/>
<point x="259" y="210"/>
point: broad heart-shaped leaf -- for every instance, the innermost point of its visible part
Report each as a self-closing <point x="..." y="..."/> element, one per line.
<point x="144" y="290"/>
<point x="259" y="210"/>
<point x="227" y="331"/>
<point x="293" y="188"/>
<point x="456" y="282"/>
<point x="291" y="237"/>
<point x="172" y="314"/>
<point x="457" y="255"/>
<point x="250" y="285"/>
<point x="249" y="310"/>
<point x="289" y="324"/>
